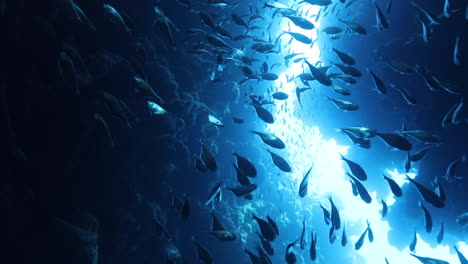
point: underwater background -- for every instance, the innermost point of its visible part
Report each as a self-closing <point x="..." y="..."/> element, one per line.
<point x="327" y="131"/>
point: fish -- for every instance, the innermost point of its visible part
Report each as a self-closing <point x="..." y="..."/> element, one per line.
<point x="270" y="139"/>
<point x="422" y="136"/>
<point x="290" y="257"/>
<point x="241" y="176"/>
<point x="335" y="215"/>
<point x="462" y="219"/>
<point x="439" y="190"/>
<point x="299" y="37"/>
<point x="447" y="12"/>
<point x="206" y="19"/>
<point x="266" y="245"/>
<point x="237" y="120"/>
<point x="332" y="30"/>
<point x="427" y="217"/>
<point x="146" y="90"/>
<point x="400" y="67"/>
<point x="164" y="23"/>
<point x="116" y="108"/>
<point x="279" y="162"/>
<point x="215" y="121"/>
<point x="353" y="26"/>
<point x="313" y="246"/>
<point x="222" y="31"/>
<point x="263" y="114"/>
<point x="420" y="154"/>
<point x="318" y="2"/>
<point x="331" y="235"/>
<point x="395" y="140"/>
<point x="156" y="109"/>
<point x="462" y="258"/>
<point x="428" y="195"/>
<point x="430" y="79"/>
<point x="216" y="41"/>
<point x="388" y="9"/>
<point x="354" y="188"/>
<point x="349" y="70"/>
<point x="345" y="58"/>
<point x="406" y="95"/>
<point x="253" y="258"/>
<point x="394" y="187"/>
<point x="347" y="79"/>
<point x="344" y="240"/>
<point x="320" y="76"/>
<point x="215" y="223"/>
<point x="440" y="234"/>
<point x="340" y="90"/>
<point x="426" y="260"/>
<point x="378" y="83"/>
<point x="239" y="20"/>
<point x="223" y="235"/>
<point x="450" y="172"/>
<point x="185" y="210"/>
<point x="208" y="158"/>
<point x="326" y="215"/>
<point x="412" y="246"/>
<point x="456" y="52"/>
<point x="266" y="229"/>
<point x="457" y="116"/>
<point x="304" y="184"/>
<point x="355" y="168"/>
<point x="384" y="208"/>
<point x="273" y="225"/>
<point x="302" y="238"/>
<point x="215" y="194"/>
<point x="202" y="253"/>
<point x="358" y="245"/>
<point x="243" y="190"/>
<point x="449" y="115"/>
<point x="344" y="105"/>
<point x="103" y="123"/>
<point x="361" y="142"/>
<point x="245" y="165"/>
<point x="382" y="22"/>
<point x="268" y="76"/>
<point x="301" y="22"/>
<point x="114" y="16"/>
<point x="425" y="30"/>
<point x="363" y="193"/>
<point x="280" y="96"/>
<point x="370" y="234"/>
<point x="434" y="20"/>
<point x="68" y="73"/>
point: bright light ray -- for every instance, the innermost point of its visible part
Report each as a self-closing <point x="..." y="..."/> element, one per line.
<point x="306" y="147"/>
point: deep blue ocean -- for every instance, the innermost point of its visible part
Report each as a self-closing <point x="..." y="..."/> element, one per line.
<point x="234" y="131"/>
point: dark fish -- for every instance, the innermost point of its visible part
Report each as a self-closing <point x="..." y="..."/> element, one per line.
<point x="215" y="223"/>
<point x="429" y="78"/>
<point x="222" y="31"/>
<point x="304" y="184"/>
<point x="396" y="190"/>
<point x="270" y="139"/>
<point x="241" y="176"/>
<point x="302" y="239"/>
<point x="263" y="114"/>
<point x="361" y="239"/>
<point x="354" y="188"/>
<point x="395" y="140"/>
<point x="427" y="217"/>
<point x="332" y="30"/>
<point x="185" y="211"/>
<point x="400" y="67"/>
<point x="239" y="20"/>
<point x="353" y="26"/>
<point x="450" y="172"/>
<point x="280" y="96"/>
<point x="407" y="162"/>
<point x="279" y="162"/>
<point x="344" y="105"/>
<point x="299" y="37"/>
<point x="237" y="120"/>
<point x="266" y="245"/>
<point x="420" y="154"/>
<point x="207" y="19"/>
<point x="340" y="90"/>
<point x="389" y="7"/>
<point x="243" y="190"/>
<point x="224" y="235"/>
<point x="273" y="225"/>
<point x="103" y="123"/>
<point x="266" y="229"/>
<point x="216" y="41"/>
<point x="335" y="215"/>
<point x="422" y="136"/>
<point x="462" y="258"/>
<point x="318" y="2"/>
<point x="360" y="141"/>
<point x="326" y="215"/>
<point x="363" y="193"/>
<point x="428" y="195"/>
<point x="426" y="260"/>
<point x="384" y="208"/>
<point x="412" y="246"/>
<point x="313" y="246"/>
<point x="382" y="22"/>
<point x="245" y="165"/>
<point x="344" y="240"/>
<point x="215" y="194"/>
<point x="355" y="168"/>
<point x="254" y="259"/>
<point x="301" y="22"/>
<point x="208" y="158"/>
<point x="268" y="76"/>
<point x="345" y="58"/>
<point x="319" y="75"/>
<point x="331" y="235"/>
<point x="298" y="93"/>
<point x="370" y="234"/>
<point x="378" y="83"/>
<point x="440" y="190"/>
<point x="349" y="70"/>
<point x="202" y="253"/>
<point x="440" y="234"/>
<point x="290" y="257"/>
<point x="116" y="108"/>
